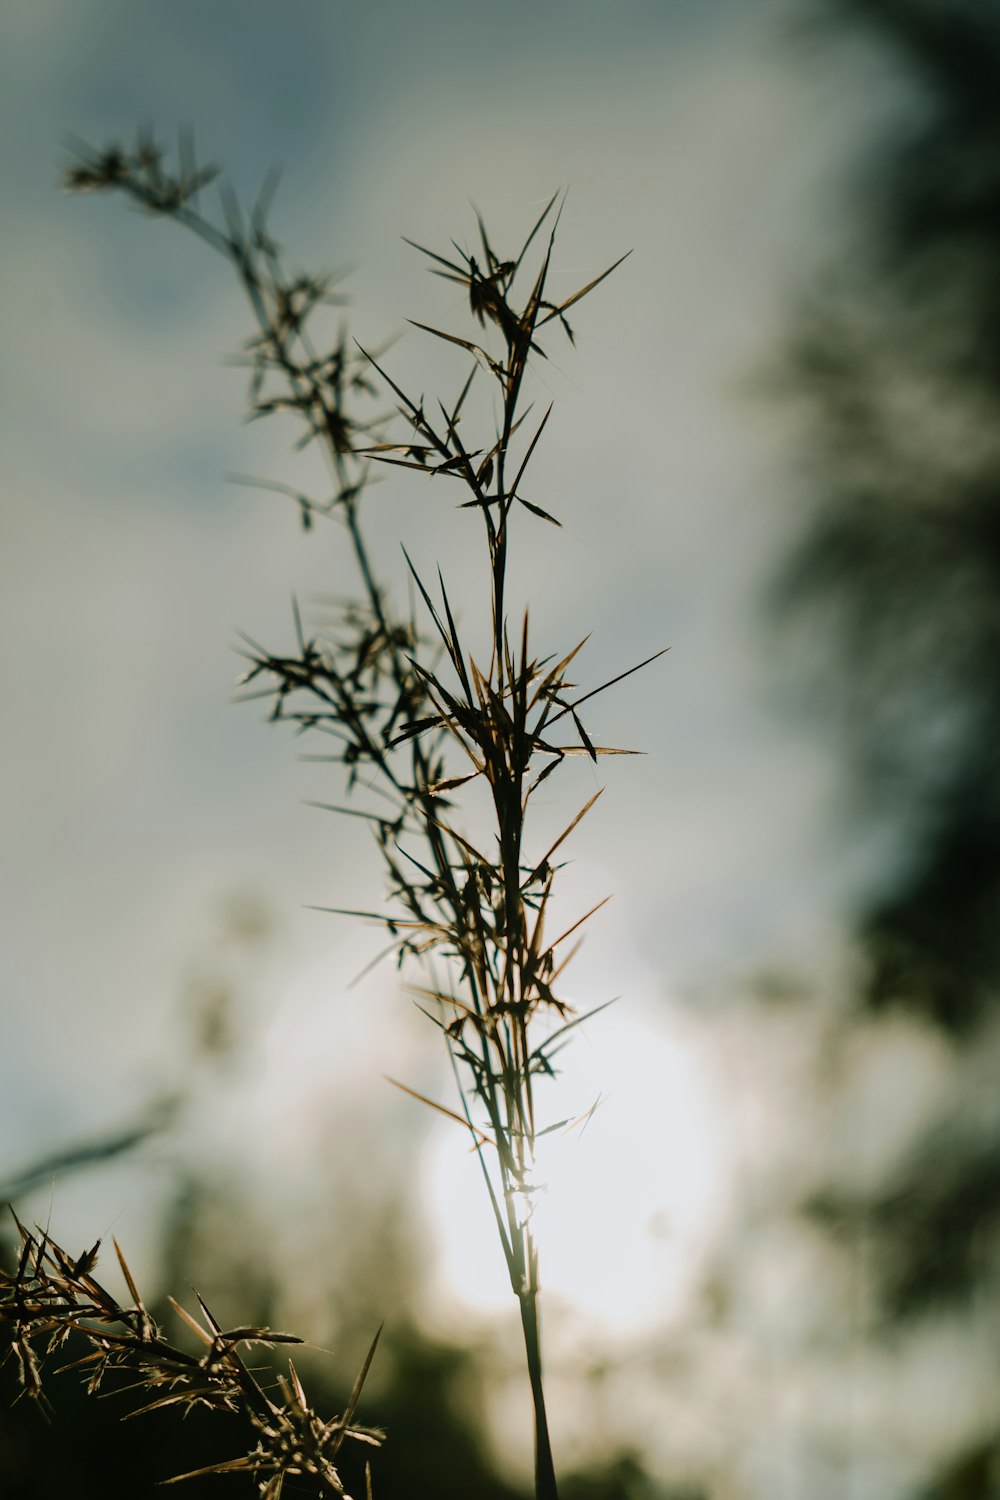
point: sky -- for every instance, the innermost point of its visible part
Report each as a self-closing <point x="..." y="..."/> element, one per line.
<point x="142" y="812"/>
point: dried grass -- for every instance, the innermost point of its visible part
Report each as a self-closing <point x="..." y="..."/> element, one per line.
<point x="398" y="702"/>
<point x="50" y="1296"/>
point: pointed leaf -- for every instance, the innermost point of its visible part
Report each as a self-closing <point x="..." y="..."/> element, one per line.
<point x="583" y="290"/>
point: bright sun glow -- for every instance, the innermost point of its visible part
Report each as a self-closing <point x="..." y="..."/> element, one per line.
<point x="629" y="1198"/>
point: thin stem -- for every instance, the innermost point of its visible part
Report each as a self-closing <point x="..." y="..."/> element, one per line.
<point x="545" y="1474"/>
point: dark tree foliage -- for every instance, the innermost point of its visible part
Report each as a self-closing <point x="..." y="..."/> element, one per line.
<point x="898" y="364"/>
<point x="901" y="368"/>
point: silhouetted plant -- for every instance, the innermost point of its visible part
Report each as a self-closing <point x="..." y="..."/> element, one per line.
<point x="400" y="702"/>
<point x="51" y="1295"/>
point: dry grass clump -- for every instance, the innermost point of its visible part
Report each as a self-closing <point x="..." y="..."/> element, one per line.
<point x="50" y="1296"/>
<point x="399" y="704"/>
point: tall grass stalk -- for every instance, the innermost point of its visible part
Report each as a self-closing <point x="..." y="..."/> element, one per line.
<point x="403" y="706"/>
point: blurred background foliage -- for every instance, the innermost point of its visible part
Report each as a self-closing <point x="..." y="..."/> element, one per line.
<point x="886" y="616"/>
<point x="897" y="581"/>
<point x="899" y="373"/>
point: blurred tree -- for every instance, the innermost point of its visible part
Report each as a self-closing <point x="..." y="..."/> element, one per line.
<point x="898" y="364"/>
